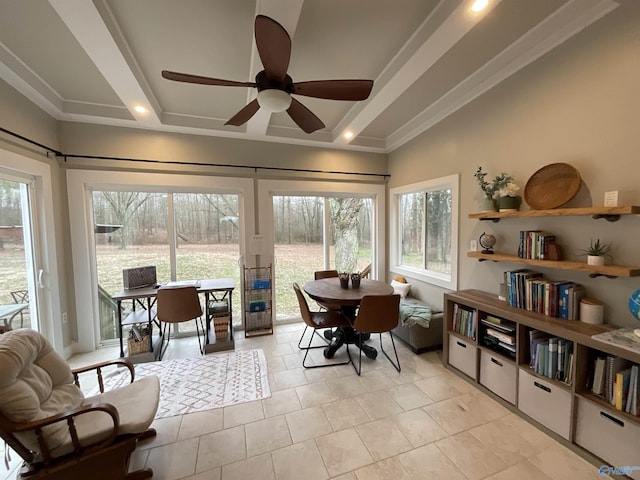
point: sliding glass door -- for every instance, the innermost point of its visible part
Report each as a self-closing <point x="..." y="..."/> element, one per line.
<point x="186" y="236"/>
<point x="317" y="232"/>
<point x="18" y="294"/>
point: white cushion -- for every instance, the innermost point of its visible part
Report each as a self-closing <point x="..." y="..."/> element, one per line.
<point x="401" y="289"/>
<point x="36" y="383"/>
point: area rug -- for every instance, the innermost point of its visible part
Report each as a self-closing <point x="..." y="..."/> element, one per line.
<point x="189" y="385"/>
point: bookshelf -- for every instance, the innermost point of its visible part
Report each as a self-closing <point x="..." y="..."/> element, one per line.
<point x="609" y="213"/>
<point x="561" y="403"/>
<point x="611" y="271"/>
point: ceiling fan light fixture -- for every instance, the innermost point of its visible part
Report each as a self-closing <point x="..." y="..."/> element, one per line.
<point x="274" y="100"/>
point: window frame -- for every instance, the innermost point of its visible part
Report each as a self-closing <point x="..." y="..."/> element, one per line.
<point x="80" y="184"/>
<point x="429" y="276"/>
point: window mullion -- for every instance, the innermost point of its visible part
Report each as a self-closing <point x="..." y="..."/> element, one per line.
<point x="172" y="237"/>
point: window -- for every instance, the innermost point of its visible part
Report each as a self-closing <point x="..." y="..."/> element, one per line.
<point x="424" y="231"/>
<point x="299" y="223"/>
<point x="303" y="245"/>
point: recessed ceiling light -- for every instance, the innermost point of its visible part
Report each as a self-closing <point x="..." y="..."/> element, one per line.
<point x="479" y="5"/>
<point x="348" y="135"/>
<point x="140" y="109"/>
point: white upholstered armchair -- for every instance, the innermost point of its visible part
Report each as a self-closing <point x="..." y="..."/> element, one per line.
<point x="59" y="433"/>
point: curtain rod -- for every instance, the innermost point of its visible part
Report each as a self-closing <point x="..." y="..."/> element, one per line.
<point x="66" y="156"/>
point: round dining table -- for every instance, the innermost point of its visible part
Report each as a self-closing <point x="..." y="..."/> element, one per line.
<point x="330" y="294"/>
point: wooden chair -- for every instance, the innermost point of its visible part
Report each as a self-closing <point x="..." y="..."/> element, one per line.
<point x="176" y="305"/>
<point x="59" y="433"/>
<point x="21" y="296"/>
<point x="319" y="274"/>
<point x="378" y="314"/>
<point x="316" y="320"/>
<point x="366" y="272"/>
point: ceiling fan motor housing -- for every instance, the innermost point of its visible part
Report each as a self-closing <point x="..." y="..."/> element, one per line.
<point x="265" y="83"/>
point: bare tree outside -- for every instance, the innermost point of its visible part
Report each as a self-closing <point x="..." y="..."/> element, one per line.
<point x="344" y="214"/>
<point x="300" y="244"/>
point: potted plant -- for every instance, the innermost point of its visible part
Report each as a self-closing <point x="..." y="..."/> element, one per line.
<point x="490" y="190"/>
<point x="597" y="252"/>
<point x="508" y="200"/>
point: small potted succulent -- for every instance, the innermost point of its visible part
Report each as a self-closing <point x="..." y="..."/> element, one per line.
<point x="597" y="252"/>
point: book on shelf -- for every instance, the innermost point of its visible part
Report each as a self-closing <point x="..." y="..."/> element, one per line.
<point x="505" y="328"/>
<point x="632" y="396"/>
<point x="464" y="321"/>
<point x="597" y="385"/>
<point x="550" y="356"/>
<point x="507" y="346"/>
<point x="503" y="337"/>
<point x="552" y="364"/>
<point x="614" y="364"/>
<point x="622" y="388"/>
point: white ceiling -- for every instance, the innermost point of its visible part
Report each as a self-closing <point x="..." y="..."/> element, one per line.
<point x="94" y="61"/>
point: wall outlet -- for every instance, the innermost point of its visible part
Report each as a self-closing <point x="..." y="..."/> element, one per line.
<point x="473" y="246"/>
<point x="64" y="318"/>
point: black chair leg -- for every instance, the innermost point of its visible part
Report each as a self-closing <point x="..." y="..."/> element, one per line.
<point x="315" y="332"/>
<point x="358" y="369"/>
<point x="397" y="364"/>
<point x="168" y="336"/>
<point x="309" y="347"/>
<point x="198" y="333"/>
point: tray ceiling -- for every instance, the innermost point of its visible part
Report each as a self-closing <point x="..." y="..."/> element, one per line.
<point x="94" y="61"/>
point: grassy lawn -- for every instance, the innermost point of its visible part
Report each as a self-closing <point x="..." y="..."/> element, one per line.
<point x="13" y="275"/>
<point x="294" y="263"/>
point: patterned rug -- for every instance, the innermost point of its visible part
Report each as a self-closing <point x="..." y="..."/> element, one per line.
<point x="213" y="381"/>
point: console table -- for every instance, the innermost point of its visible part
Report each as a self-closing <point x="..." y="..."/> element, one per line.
<point x="144" y="312"/>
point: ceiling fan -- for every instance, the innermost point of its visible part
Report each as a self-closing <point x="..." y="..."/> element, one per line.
<point x="275" y="86"/>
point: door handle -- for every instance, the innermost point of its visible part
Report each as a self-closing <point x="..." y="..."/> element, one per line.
<point x="40" y="275"/>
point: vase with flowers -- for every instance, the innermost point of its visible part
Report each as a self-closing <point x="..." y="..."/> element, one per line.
<point x="508" y="200"/>
<point x="501" y="186"/>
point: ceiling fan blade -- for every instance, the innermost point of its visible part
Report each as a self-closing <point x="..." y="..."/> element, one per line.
<point x="304" y="117"/>
<point x="334" y="89"/>
<point x="188" y="78"/>
<point x="244" y="114"/>
<point x="274" y="47"/>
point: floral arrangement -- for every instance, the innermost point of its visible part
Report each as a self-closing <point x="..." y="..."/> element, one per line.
<point x="508" y="190"/>
<point x="501" y="186"/>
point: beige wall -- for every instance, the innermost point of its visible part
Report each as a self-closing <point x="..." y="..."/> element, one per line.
<point x="580" y="104"/>
<point x="77" y="138"/>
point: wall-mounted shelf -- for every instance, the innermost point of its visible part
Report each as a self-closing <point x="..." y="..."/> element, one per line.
<point x="611" y="214"/>
<point x="610" y="271"/>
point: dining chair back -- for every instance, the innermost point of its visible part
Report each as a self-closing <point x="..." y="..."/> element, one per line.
<point x="378" y="314"/>
<point x="176" y="305"/>
<point x="315" y="321"/>
<point x="320" y="274"/>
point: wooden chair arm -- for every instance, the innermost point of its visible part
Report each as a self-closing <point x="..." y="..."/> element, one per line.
<point x="69" y="416"/>
<point x="98" y="368"/>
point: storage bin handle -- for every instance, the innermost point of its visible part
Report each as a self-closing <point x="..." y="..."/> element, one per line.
<point x="542" y="387"/>
<point x="461" y="344"/>
<point x="612" y="418"/>
<point x="496" y="362"/>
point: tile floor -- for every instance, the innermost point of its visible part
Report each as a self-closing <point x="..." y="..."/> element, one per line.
<point x="422" y="423"/>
